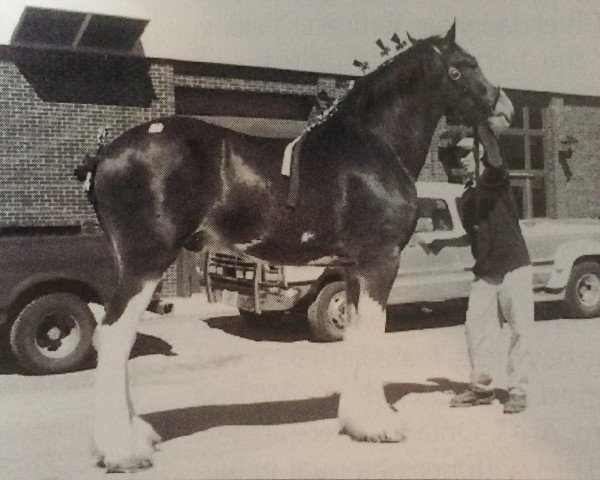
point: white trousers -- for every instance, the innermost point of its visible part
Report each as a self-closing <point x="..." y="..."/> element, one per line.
<point x="492" y="300"/>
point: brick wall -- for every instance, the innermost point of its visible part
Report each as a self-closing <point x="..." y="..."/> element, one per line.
<point x="39" y="145"/>
<point x="574" y="181"/>
<point x="41" y="142"/>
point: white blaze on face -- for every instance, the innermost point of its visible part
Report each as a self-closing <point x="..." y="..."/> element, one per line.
<point x="504" y="112"/>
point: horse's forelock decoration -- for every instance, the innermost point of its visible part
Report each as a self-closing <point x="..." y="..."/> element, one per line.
<point x="179" y="183"/>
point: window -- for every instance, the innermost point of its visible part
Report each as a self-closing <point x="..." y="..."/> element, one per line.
<point x="537" y="153"/>
<point x="523" y="149"/>
<point x="512" y="149"/>
<point x="434" y="215"/>
<point x="539" y="197"/>
<point x="518" y="194"/>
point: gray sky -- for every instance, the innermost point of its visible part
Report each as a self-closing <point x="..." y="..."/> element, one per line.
<point x="530" y="44"/>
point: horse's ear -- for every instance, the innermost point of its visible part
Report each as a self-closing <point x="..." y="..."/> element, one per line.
<point x="451" y="35"/>
<point x="411" y="39"/>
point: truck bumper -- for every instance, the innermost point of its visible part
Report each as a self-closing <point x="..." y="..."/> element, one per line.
<point x="273" y="299"/>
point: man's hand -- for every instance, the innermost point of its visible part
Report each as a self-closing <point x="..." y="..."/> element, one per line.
<point x="468" y="164"/>
<point x="433" y="247"/>
<point x="419" y="240"/>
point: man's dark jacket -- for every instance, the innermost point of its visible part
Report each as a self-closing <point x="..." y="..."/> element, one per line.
<point x="492" y="223"/>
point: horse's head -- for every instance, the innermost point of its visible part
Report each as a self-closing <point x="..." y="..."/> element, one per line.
<point x="469" y="96"/>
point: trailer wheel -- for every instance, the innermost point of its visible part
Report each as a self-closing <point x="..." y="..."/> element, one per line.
<point x="327" y="314"/>
<point x="53" y="334"/>
<point x="582" y="295"/>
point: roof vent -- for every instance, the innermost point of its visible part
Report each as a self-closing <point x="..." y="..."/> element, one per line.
<point x="50" y="28"/>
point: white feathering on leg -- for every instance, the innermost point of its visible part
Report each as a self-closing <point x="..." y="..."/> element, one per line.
<point x="115" y="439"/>
<point x="363" y="411"/>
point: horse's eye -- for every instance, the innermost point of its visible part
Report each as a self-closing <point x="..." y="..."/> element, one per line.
<point x="454" y="73"/>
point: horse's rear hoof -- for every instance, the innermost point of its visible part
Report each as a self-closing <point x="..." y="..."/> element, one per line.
<point x="126" y="457"/>
<point x="384" y="436"/>
<point x="127" y="465"/>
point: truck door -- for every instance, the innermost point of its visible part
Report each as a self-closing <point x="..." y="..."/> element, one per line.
<point x="436" y="264"/>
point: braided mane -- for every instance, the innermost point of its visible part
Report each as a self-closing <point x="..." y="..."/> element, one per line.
<point x="403" y="71"/>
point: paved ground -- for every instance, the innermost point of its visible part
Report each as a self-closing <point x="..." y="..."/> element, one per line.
<point x="231" y="402"/>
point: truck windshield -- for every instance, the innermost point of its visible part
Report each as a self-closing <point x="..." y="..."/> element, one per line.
<point x="434" y="213"/>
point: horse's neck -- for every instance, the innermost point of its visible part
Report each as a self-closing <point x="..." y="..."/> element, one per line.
<point x="407" y="125"/>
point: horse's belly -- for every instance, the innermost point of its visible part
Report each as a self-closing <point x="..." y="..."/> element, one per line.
<point x="270" y="232"/>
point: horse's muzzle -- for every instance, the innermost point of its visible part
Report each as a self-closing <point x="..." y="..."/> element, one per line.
<point x="503" y="112"/>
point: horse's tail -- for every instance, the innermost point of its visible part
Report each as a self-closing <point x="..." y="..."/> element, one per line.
<point x="86" y="173"/>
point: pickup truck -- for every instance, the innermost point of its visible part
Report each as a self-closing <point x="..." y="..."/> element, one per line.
<point x="435" y="266"/>
<point x="48" y="278"/>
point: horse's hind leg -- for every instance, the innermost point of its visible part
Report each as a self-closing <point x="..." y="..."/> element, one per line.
<point x="123" y="441"/>
<point x="363" y="411"/>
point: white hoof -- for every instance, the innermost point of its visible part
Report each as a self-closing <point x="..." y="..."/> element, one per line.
<point x="376" y="422"/>
<point x="129" y="451"/>
<point x="384" y="429"/>
<point x="144" y="437"/>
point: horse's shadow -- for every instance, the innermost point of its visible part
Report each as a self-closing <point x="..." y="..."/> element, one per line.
<point x="150" y="345"/>
<point x="286" y="328"/>
<point x="400" y="318"/>
<point x="171" y="424"/>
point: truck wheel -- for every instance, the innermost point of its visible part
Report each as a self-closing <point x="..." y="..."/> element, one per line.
<point x="327" y="314"/>
<point x="53" y="334"/>
<point x="582" y="295"/>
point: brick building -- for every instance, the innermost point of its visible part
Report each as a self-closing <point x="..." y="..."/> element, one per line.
<point x="55" y="98"/>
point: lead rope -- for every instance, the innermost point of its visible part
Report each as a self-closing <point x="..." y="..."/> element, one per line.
<point x="477" y="176"/>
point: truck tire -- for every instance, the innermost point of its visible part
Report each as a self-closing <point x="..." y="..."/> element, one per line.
<point x="53" y="334"/>
<point x="582" y="295"/>
<point x="327" y="314"/>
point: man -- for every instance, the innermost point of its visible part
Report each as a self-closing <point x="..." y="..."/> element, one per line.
<point x="502" y="288"/>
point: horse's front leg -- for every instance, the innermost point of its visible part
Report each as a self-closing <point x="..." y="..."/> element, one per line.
<point x="363" y="411"/>
<point x="123" y="442"/>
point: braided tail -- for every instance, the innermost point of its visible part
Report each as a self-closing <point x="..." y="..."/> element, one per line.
<point x="87" y="170"/>
<point x="85" y="173"/>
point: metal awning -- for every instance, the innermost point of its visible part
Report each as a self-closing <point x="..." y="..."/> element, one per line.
<point x="46" y="27"/>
